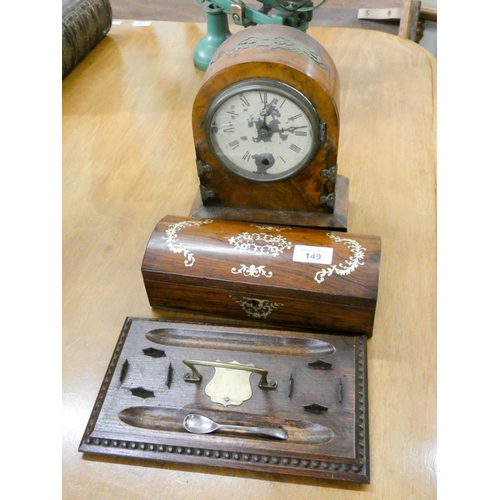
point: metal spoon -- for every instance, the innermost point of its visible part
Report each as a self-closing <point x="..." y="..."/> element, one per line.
<point x="199" y="424"/>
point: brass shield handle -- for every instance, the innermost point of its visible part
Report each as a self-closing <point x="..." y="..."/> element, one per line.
<point x="195" y="375"/>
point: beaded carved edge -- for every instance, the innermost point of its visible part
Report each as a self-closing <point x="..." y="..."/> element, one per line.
<point x="290" y="465"/>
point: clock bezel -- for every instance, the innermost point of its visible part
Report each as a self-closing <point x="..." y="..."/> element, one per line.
<point x="278" y="87"/>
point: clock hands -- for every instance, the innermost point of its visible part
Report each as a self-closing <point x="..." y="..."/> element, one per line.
<point x="275" y="129"/>
<point x="292" y="129"/>
<point x="269" y="109"/>
<point x="265" y="131"/>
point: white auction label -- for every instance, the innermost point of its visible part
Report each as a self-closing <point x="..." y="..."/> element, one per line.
<point x="312" y="255"/>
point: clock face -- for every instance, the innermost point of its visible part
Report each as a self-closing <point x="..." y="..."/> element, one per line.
<point x="262" y="130"/>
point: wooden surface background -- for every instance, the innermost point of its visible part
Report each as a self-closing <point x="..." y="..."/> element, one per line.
<point x="128" y="160"/>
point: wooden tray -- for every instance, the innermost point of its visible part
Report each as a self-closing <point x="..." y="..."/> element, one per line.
<point x="145" y="397"/>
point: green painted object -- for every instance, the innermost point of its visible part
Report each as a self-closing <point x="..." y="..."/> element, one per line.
<point x="296" y="14"/>
<point x="217" y="32"/>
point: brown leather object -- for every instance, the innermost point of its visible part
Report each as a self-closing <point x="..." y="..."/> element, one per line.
<point x="84" y="24"/>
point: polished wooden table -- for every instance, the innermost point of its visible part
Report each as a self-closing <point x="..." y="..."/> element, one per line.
<point x="128" y="160"/>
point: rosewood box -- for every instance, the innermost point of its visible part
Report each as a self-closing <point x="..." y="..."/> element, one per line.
<point x="269" y="275"/>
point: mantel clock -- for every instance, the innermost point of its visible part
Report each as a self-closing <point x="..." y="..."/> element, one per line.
<point x="266" y="132"/>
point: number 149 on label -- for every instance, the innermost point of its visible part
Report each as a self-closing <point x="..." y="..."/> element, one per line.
<point x="312" y="255"/>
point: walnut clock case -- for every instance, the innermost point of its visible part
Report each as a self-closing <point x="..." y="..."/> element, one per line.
<point x="266" y="132"/>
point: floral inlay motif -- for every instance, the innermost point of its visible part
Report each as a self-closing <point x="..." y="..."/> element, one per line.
<point x="253" y="271"/>
<point x="172" y="240"/>
<point x="260" y="243"/>
<point x="349" y="265"/>
<point x="272" y="228"/>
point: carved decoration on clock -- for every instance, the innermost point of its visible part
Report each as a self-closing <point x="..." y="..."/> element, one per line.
<point x="271" y="43"/>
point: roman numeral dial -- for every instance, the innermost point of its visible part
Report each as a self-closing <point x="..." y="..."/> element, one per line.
<point x="262" y="129"/>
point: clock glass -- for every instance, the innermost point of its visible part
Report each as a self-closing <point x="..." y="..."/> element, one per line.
<point x="263" y="130"/>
